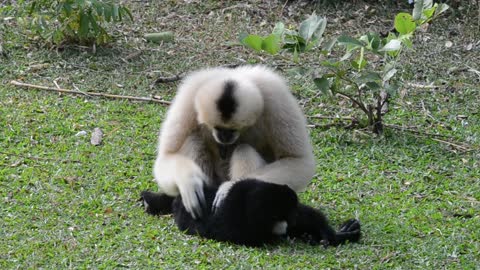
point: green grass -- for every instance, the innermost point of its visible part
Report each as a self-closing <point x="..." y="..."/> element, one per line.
<point x="68" y="204"/>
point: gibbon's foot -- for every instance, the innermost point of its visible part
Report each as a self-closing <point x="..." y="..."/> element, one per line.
<point x="349" y="231"/>
<point x="351" y="225"/>
<point x="156" y="203"/>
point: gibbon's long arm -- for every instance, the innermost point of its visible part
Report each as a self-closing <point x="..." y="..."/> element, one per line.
<point x="181" y="117"/>
<point x="285" y="129"/>
<point x="175" y="170"/>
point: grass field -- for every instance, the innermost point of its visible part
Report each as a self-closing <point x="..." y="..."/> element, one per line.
<point x="69" y="204"/>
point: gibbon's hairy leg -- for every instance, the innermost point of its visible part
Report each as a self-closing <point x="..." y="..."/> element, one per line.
<point x="185" y="172"/>
<point x="313" y="226"/>
<point x="245" y="160"/>
<point x="156" y="203"/>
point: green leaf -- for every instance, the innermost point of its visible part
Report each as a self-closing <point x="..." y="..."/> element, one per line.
<point x="427" y="4"/>
<point x="346" y="56"/>
<point x="242" y="36"/>
<point x="328" y="46"/>
<point x="271" y="44"/>
<point x="373" y="85"/>
<point x="389" y="74"/>
<point x="99" y="9"/>
<point x="321" y="29"/>
<point x="392" y="89"/>
<point x="125" y="10"/>
<point x="404" y="23"/>
<point x="441" y="8"/>
<point x="254" y="42"/>
<point x="330" y="64"/>
<point x="84" y="25"/>
<point x="322" y="84"/>
<point x="417" y="10"/>
<point x="370" y="76"/>
<point x="93" y="23"/>
<point x="408" y="42"/>
<point x="359" y="63"/>
<point x="67" y="7"/>
<point x="294" y="43"/>
<point x="295" y="55"/>
<point x="313" y="27"/>
<point x="349" y="41"/>
<point x="115" y="15"/>
<point x="392" y="45"/>
<point x="58" y="36"/>
<point x="428" y="13"/>
<point x="279" y="29"/>
<point x="374" y="41"/>
<point x="418" y="13"/>
<point x="107" y="12"/>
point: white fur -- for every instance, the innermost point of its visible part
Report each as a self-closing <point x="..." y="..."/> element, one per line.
<point x="275" y="143"/>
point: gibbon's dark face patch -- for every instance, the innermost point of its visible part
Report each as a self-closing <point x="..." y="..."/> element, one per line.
<point x="226" y="104"/>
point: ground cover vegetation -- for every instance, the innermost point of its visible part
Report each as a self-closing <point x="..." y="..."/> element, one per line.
<point x="68" y="203"/>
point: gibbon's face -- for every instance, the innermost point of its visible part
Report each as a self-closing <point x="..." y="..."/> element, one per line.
<point x="227" y="107"/>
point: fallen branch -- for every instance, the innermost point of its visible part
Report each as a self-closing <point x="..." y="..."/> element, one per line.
<point x="454" y="145"/>
<point x="75" y="92"/>
<point x="415" y="131"/>
<point x="460" y="146"/>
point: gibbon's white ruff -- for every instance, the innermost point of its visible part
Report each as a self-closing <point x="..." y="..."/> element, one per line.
<point x="232" y="123"/>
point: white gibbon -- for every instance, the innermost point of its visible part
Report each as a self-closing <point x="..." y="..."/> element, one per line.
<point x="232" y="124"/>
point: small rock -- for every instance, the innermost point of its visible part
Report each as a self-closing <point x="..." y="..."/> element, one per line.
<point x="97" y="136"/>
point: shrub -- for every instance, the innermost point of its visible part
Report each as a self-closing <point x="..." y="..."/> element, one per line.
<point x="365" y="73"/>
<point x="71" y="21"/>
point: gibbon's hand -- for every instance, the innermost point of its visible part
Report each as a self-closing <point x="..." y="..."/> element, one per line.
<point x="221" y="194"/>
<point x="191" y="190"/>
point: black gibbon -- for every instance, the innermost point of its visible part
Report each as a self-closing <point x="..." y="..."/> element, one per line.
<point x="252" y="214"/>
<point x="232" y="124"/>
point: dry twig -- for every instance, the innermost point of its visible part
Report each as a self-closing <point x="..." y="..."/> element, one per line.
<point x="423" y="86"/>
<point x="104" y="95"/>
<point x="348" y="118"/>
<point x="168" y="79"/>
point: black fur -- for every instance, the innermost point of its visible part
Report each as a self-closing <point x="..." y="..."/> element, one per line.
<point x="226" y="104"/>
<point x="157" y="203"/>
<point x="249" y="213"/>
